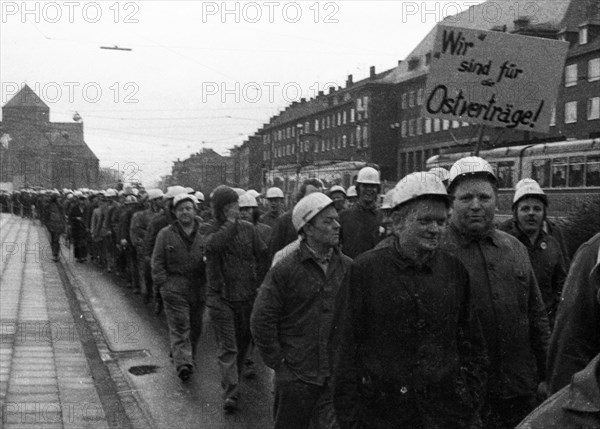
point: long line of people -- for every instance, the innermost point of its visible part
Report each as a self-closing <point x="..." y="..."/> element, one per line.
<point x="421" y="313"/>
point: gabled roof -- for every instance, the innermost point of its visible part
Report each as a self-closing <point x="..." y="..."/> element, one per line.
<point x="26" y="98"/>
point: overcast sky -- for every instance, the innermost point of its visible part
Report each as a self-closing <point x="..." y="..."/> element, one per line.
<point x="209" y="72"/>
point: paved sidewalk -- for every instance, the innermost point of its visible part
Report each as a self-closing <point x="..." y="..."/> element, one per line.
<point x="45" y="379"/>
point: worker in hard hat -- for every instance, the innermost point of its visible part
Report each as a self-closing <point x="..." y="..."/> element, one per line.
<point x="507" y="298"/>
<point x="108" y="234"/>
<point x="386" y="231"/>
<point x="236" y="264"/>
<point x="79" y="230"/>
<point x="293" y="314"/>
<point x="140" y="221"/>
<point x="411" y="352"/>
<point x="360" y="223"/>
<point x="128" y="250"/>
<point x="55" y="223"/>
<point x="338" y="194"/>
<point x="351" y="196"/>
<point x="178" y="272"/>
<point x="530" y="205"/>
<point x="250" y="213"/>
<point x="275" y="198"/>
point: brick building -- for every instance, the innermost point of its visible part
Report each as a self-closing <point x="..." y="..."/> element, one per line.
<point x="38" y="153"/>
<point x="202" y="171"/>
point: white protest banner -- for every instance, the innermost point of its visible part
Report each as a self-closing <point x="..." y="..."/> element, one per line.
<point x="493" y="78"/>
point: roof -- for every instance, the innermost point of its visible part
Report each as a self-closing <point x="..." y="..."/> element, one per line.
<point x="26" y="98"/>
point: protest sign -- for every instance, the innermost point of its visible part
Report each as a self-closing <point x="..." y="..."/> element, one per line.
<point x="494" y="78"/>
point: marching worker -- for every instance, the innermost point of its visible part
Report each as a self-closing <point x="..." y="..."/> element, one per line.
<point x="79" y="229"/>
<point x="351" y="196"/>
<point x="107" y="233"/>
<point x="55" y="222"/>
<point x="178" y="272"/>
<point x="360" y="223"/>
<point x="250" y="213"/>
<point x="130" y="207"/>
<point x="293" y="314"/>
<point x="410" y="353"/>
<point x="236" y="264"/>
<point x="338" y="194"/>
<point x="506" y="296"/>
<point x="530" y="206"/>
<point x="275" y="198"/>
<point x="576" y="337"/>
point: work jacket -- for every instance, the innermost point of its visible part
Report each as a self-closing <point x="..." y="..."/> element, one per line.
<point x="359" y="229"/>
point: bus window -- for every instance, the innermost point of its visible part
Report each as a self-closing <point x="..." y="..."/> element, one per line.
<point x="505" y="174"/>
<point x="540" y="172"/>
<point x="592" y="177"/>
<point x="559" y="173"/>
<point x="576" y="171"/>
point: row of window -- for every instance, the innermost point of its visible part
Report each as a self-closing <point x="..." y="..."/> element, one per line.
<point x="572" y="75"/>
<point x="360" y="139"/>
<point x="593" y="111"/>
<point x="419" y="126"/>
<point x="572" y="172"/>
<point x="411" y="99"/>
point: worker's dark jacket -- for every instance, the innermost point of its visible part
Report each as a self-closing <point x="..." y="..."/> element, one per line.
<point x="235" y="259"/>
<point x="293" y="314"/>
<point x="408" y="337"/>
<point x="576" y="406"/>
<point x="282" y="233"/>
<point x="548" y="265"/>
<point x="510" y="307"/>
<point x="359" y="229"/>
<point x="157" y="223"/>
<point x="576" y="337"/>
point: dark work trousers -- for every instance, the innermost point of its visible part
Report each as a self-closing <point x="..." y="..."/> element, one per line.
<point x="132" y="267"/>
<point x="231" y="322"/>
<point x="55" y="243"/>
<point x="506" y="413"/>
<point x="184" y="310"/>
<point x="300" y="405"/>
<point x="80" y="245"/>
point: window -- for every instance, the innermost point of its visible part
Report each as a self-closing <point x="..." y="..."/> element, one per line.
<point x="366" y="136"/>
<point x="465" y="124"/>
<point x="420" y="97"/>
<point x="323" y="145"/>
<point x="339" y="118"/>
<point x="571" y="112"/>
<point x="411" y="99"/>
<point x="306" y="127"/>
<point x="344" y="140"/>
<point x="576" y="164"/>
<point x="419" y="126"/>
<point x="328" y="145"/>
<point x="344" y="117"/>
<point x="592" y="176"/>
<point x="540" y="172"/>
<point x="436" y="124"/>
<point x="593" y="108"/>
<point x="317" y="145"/>
<point x="505" y="174"/>
<point x="553" y="117"/>
<point x="559" y="172"/>
<point x="594" y="70"/>
<point x="352" y="139"/>
<point x="328" y="122"/>
<point x="358" y="136"/>
<point x="316" y="125"/>
<point x="403" y="129"/>
<point x="411" y="127"/>
<point x="427" y="125"/>
<point x="571" y="75"/>
<point x="445" y="124"/>
<point x="366" y="106"/>
<point x="583" y="35"/>
<point x="455" y="124"/>
<point x="404" y="101"/>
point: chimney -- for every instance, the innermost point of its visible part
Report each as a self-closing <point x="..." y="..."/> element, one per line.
<point x="302" y="100"/>
<point x="372" y="72"/>
<point x="331" y="89"/>
<point x="399" y="63"/>
<point x="349" y="81"/>
<point x="321" y="93"/>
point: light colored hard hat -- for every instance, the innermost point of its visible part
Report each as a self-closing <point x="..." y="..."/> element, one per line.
<point x="337" y="188"/>
<point x="199" y="196"/>
<point x="130" y="199"/>
<point x="416" y="185"/>
<point x="442" y="173"/>
<point x="189" y="190"/>
<point x="110" y="192"/>
<point x="387" y="200"/>
<point x="469" y="166"/>
<point x="173" y="191"/>
<point x="78" y="194"/>
<point x="308" y="207"/>
<point x="254" y="193"/>
<point x="351" y="192"/>
<point x="183" y="196"/>
<point x="274" y="193"/>
<point x="369" y="176"/>
<point x="154" y="194"/>
<point x="247" y="200"/>
<point x="135" y="191"/>
<point x="239" y="191"/>
<point x="529" y="187"/>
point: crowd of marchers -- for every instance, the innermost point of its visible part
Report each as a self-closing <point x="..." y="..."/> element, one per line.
<point x="418" y="313"/>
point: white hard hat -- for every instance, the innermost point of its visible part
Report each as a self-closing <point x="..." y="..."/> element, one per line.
<point x="369" y="176"/>
<point x="154" y="194"/>
<point x="274" y="193"/>
<point x="78" y="194"/>
<point x="417" y="185"/>
<point x="130" y="199"/>
<point x="442" y="173"/>
<point x="173" y="191"/>
<point x="183" y="196"/>
<point x="351" y="192"/>
<point x="469" y="166"/>
<point x="135" y="191"/>
<point x="239" y="191"/>
<point x="247" y="200"/>
<point x="110" y="192"/>
<point x="529" y="187"/>
<point x="308" y="207"/>
<point x="189" y="190"/>
<point x="337" y="188"/>
<point x="199" y="196"/>
<point x="254" y="193"/>
<point x="387" y="200"/>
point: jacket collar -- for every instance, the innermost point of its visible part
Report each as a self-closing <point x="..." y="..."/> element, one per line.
<point x="464" y="240"/>
<point x="584" y="391"/>
<point x="306" y="253"/>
